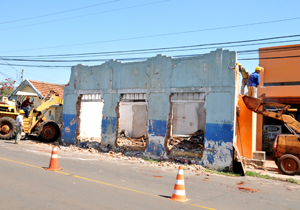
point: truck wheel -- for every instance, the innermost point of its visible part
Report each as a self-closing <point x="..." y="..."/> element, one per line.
<point x="276" y="161"/>
<point x="289" y="164"/>
<point x="7" y="128"/>
<point x="48" y="131"/>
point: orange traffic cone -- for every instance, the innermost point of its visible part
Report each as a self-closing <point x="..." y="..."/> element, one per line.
<point x="53" y="166"/>
<point x="179" y="188"/>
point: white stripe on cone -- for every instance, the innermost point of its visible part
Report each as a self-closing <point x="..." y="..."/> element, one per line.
<point x="54" y="149"/>
<point x="54" y="156"/>
<point x="179" y="182"/>
<point x="180" y="172"/>
<point x="179" y="192"/>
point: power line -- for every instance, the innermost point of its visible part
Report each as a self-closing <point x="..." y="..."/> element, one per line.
<point x="56" y="13"/>
<point x="178" y="48"/>
<point x="158" y="35"/>
<point x="96" y="13"/>
<point x="9" y="64"/>
<point x="41" y="77"/>
<point x="131" y="59"/>
<point x="277" y="57"/>
<point x="153" y="51"/>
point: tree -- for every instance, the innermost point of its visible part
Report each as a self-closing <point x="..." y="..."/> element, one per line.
<point x="7" y="87"/>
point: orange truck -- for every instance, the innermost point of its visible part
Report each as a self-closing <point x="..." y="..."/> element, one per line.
<point x="286" y="146"/>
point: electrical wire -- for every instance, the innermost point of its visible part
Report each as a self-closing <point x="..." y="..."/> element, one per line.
<point x="176" y="50"/>
<point x="96" y="13"/>
<point x="157" y="35"/>
<point x="56" y="13"/>
<point x="124" y="52"/>
<point x="42" y="77"/>
<point x="133" y="59"/>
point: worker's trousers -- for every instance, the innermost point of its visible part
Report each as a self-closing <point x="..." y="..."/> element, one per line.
<point x="244" y="83"/>
<point x="18" y="134"/>
<point x="252" y="91"/>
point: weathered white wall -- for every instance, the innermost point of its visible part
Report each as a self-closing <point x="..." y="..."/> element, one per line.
<point x="133" y="118"/>
<point x="91" y="119"/>
<point x="188" y="117"/>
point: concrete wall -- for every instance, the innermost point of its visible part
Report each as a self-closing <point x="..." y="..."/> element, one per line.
<point x="158" y="77"/>
<point x="133" y="118"/>
<point x="188" y="117"/>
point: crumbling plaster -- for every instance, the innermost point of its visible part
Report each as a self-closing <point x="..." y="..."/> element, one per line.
<point x="159" y="77"/>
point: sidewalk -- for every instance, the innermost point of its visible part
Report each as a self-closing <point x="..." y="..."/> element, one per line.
<point x="271" y="169"/>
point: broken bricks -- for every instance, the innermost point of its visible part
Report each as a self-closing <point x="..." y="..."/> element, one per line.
<point x="125" y="140"/>
<point x="193" y="143"/>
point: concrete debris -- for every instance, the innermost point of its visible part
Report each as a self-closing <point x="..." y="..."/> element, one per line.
<point x="125" y="140"/>
<point x="191" y="143"/>
<point x="124" y="134"/>
<point x="253" y="164"/>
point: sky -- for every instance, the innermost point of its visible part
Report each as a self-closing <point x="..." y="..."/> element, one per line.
<point x="41" y="30"/>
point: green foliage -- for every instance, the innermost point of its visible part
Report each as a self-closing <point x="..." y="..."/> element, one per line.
<point x="291" y="180"/>
<point x="225" y="172"/>
<point x="255" y="174"/>
<point x="7" y="87"/>
<point x="151" y="160"/>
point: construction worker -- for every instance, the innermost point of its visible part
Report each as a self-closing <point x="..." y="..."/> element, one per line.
<point x="245" y="75"/>
<point x="19" y="127"/>
<point x="254" y="81"/>
<point x="25" y="104"/>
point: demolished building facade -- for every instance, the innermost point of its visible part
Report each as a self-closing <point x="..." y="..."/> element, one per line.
<point x="163" y="107"/>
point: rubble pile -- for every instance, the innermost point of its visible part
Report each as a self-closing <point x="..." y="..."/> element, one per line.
<point x="125" y="140"/>
<point x="84" y="147"/>
<point x="253" y="164"/>
<point x="190" y="143"/>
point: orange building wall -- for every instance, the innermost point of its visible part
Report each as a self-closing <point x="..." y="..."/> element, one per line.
<point x="244" y="130"/>
<point x="278" y="70"/>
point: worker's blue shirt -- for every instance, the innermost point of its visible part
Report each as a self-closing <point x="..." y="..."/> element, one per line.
<point x="253" y="79"/>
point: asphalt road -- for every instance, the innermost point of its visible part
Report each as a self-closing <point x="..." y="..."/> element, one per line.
<point x="93" y="181"/>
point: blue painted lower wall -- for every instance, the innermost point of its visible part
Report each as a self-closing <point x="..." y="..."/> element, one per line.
<point x="219" y="132"/>
<point x="157" y="127"/>
<point x="68" y="134"/>
<point x="109" y="129"/>
<point x="218" y="149"/>
<point x="218" y="146"/>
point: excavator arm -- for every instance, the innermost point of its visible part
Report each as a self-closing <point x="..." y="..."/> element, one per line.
<point x="258" y="105"/>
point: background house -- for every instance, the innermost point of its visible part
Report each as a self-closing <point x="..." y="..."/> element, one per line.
<point x="39" y="90"/>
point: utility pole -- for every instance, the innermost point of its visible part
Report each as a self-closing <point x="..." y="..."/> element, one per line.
<point x="22" y="74"/>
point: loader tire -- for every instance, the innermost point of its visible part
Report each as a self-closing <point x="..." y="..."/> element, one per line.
<point x="289" y="164"/>
<point x="7" y="128"/>
<point x="48" y="131"/>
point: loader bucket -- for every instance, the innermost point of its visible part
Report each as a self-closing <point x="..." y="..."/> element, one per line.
<point x="251" y="102"/>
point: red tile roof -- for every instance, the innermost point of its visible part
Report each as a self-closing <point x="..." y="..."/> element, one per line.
<point x="44" y="87"/>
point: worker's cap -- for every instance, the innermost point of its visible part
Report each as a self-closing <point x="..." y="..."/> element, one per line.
<point x="21" y="111"/>
<point x="27" y="97"/>
<point x="239" y="64"/>
<point x="258" y="68"/>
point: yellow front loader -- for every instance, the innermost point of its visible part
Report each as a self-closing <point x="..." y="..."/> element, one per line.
<point x="36" y="124"/>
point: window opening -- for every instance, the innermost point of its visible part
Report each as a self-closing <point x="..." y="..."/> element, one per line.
<point x="187" y="124"/>
<point x="133" y="121"/>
